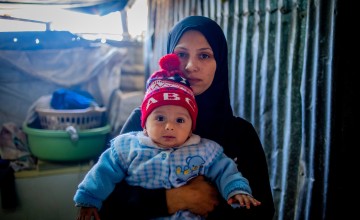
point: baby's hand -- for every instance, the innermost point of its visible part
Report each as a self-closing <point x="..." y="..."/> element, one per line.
<point x="243" y="200"/>
<point x="87" y="213"/>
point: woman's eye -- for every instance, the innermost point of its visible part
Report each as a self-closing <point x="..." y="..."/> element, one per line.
<point x="160" y="118"/>
<point x="204" y="56"/>
<point x="180" y="120"/>
<point x="181" y="54"/>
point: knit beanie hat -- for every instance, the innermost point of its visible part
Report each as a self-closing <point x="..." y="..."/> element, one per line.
<point x="168" y="86"/>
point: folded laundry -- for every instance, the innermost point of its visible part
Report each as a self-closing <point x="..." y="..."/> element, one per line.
<point x="72" y="99"/>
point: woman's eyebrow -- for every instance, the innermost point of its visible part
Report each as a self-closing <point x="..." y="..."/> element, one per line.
<point x="180" y="47"/>
<point x="205" y="48"/>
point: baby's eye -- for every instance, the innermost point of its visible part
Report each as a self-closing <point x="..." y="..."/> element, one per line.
<point x="180" y="120"/>
<point x="160" y="118"/>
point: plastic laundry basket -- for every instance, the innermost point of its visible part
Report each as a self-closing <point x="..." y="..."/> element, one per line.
<point x="53" y="119"/>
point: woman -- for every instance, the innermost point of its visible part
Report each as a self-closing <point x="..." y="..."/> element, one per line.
<point x="201" y="45"/>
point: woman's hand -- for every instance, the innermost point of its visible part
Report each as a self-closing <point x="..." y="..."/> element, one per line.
<point x="87" y="212"/>
<point x="198" y="196"/>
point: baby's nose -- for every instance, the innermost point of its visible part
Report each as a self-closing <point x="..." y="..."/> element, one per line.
<point x="169" y="126"/>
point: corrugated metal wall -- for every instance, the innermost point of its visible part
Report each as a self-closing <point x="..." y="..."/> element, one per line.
<point x="281" y="70"/>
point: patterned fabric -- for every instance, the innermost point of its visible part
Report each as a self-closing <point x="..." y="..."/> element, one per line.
<point x="135" y="158"/>
<point x="168" y="86"/>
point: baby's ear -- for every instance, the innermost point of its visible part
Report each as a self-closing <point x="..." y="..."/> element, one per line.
<point x="144" y="131"/>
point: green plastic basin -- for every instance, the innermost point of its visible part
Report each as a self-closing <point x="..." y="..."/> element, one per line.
<point x="56" y="145"/>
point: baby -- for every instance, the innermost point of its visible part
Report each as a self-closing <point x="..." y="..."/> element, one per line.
<point x="166" y="154"/>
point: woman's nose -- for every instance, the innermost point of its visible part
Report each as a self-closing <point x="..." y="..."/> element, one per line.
<point x="191" y="65"/>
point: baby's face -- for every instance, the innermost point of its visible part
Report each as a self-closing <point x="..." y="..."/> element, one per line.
<point x="169" y="125"/>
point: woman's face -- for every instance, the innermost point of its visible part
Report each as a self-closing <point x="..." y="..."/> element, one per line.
<point x="197" y="60"/>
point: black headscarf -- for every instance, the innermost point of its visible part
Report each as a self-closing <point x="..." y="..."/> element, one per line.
<point x="214" y="104"/>
<point x="217" y="122"/>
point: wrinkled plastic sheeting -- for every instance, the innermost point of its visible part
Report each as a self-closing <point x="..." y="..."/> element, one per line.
<point x="26" y="75"/>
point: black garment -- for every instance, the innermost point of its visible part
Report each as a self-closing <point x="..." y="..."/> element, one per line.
<point x="217" y="122"/>
<point x="9" y="199"/>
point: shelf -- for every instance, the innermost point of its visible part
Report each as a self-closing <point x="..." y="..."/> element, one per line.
<point x="45" y="168"/>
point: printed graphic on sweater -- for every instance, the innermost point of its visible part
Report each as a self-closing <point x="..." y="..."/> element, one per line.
<point x="192" y="169"/>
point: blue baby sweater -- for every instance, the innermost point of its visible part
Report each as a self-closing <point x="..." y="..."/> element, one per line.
<point x="136" y="158"/>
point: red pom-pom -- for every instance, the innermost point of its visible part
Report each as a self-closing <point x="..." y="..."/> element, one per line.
<point x="169" y="62"/>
